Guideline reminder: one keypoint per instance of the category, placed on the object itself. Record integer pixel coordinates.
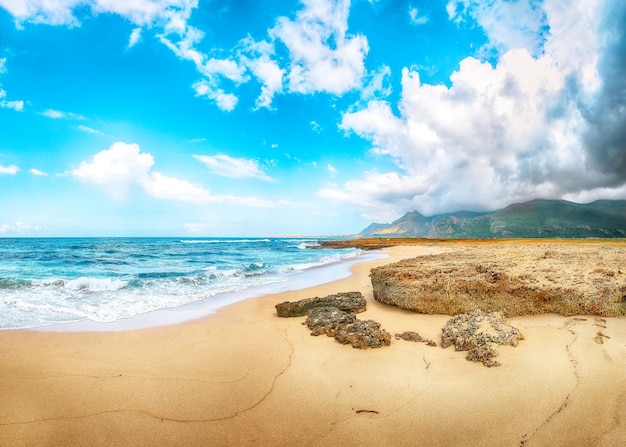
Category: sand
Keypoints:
(244, 377)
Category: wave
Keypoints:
(308, 244)
(95, 284)
(222, 241)
(14, 283)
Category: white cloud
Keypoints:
(332, 170)
(507, 24)
(58, 114)
(20, 228)
(37, 172)
(18, 106)
(89, 130)
(324, 58)
(415, 18)
(378, 194)
(123, 166)
(256, 56)
(226, 166)
(377, 84)
(514, 131)
(225, 101)
(169, 13)
(161, 186)
(135, 37)
(9, 170)
(316, 127)
(117, 168)
(58, 12)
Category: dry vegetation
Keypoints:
(516, 277)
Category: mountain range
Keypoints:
(537, 218)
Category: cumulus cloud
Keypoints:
(123, 166)
(323, 57)
(9, 170)
(530, 125)
(226, 166)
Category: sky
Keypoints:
(317, 117)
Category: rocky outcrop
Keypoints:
(522, 278)
(334, 316)
(479, 333)
(346, 301)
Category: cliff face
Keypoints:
(536, 219)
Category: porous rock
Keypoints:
(363, 334)
(326, 320)
(478, 333)
(346, 301)
(414, 337)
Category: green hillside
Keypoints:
(537, 218)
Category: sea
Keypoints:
(128, 283)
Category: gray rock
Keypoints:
(363, 334)
(326, 320)
(346, 301)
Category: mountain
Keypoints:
(537, 218)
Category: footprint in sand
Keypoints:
(600, 336)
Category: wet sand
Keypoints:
(244, 377)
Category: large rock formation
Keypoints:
(345, 301)
(479, 333)
(521, 278)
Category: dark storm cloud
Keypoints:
(606, 139)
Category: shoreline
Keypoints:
(305, 279)
(243, 376)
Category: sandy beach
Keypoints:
(244, 377)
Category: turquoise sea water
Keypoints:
(52, 281)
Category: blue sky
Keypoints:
(247, 118)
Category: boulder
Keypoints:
(346, 301)
(363, 334)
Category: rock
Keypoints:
(478, 333)
(326, 320)
(415, 337)
(363, 334)
(347, 301)
(526, 278)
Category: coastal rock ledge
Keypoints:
(524, 278)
